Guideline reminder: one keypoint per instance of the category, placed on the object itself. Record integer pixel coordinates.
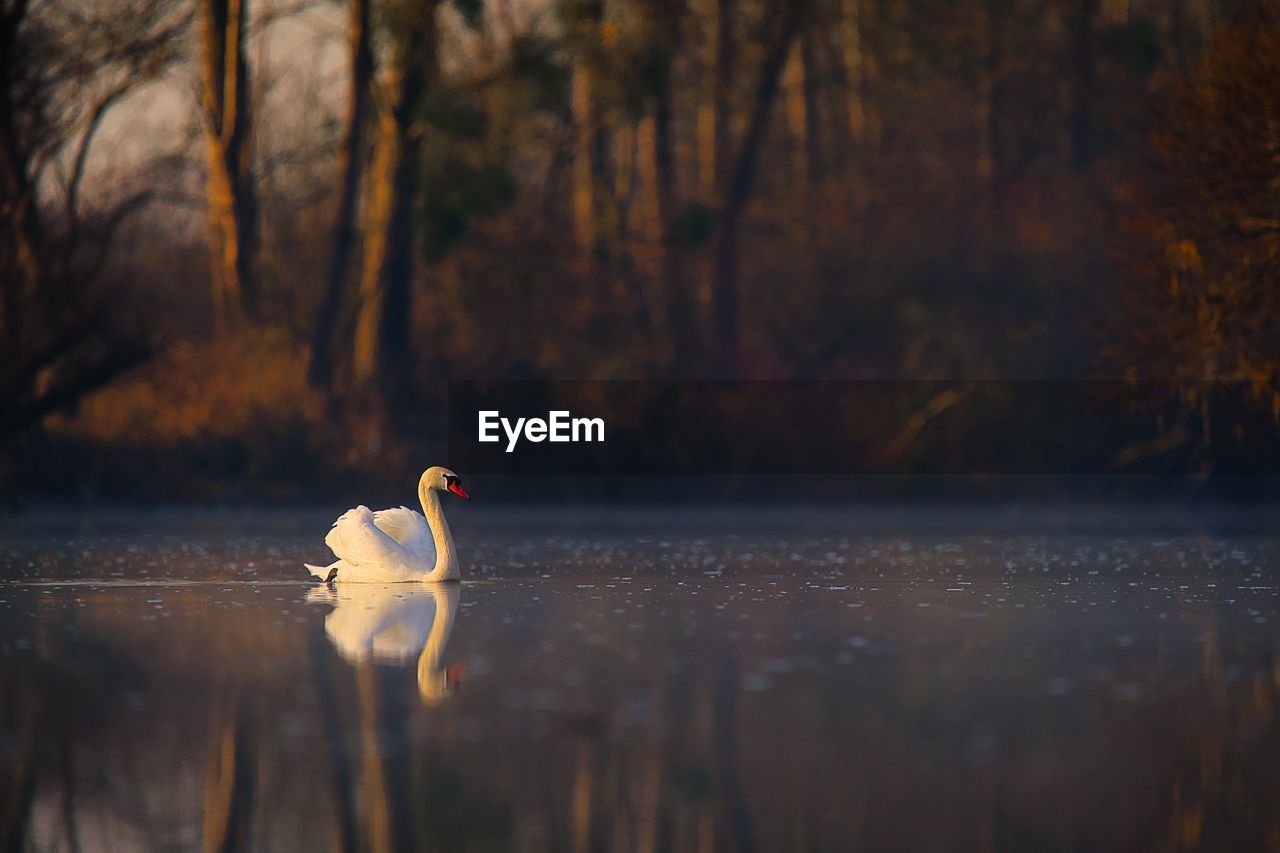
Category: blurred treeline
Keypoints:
(608, 189)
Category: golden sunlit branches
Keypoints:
(1203, 247)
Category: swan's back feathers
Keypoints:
(358, 541)
(390, 546)
(410, 529)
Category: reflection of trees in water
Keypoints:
(949, 739)
(229, 780)
(1217, 787)
(946, 738)
(400, 796)
(408, 798)
(654, 769)
(44, 693)
(229, 680)
(1145, 750)
(342, 805)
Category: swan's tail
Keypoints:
(322, 572)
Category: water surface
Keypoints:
(719, 680)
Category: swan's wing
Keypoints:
(410, 529)
(357, 540)
(383, 622)
(358, 617)
(401, 524)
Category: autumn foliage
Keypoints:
(1202, 230)
(672, 189)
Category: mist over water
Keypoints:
(702, 680)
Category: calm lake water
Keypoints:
(679, 681)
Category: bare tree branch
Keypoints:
(274, 15)
(106, 238)
(94, 121)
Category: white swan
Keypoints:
(391, 624)
(396, 545)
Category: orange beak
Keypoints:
(458, 490)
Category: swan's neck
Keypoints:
(446, 604)
(446, 567)
(431, 680)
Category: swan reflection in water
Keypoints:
(392, 624)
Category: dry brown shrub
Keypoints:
(237, 388)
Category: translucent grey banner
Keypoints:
(970, 428)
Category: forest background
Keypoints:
(247, 243)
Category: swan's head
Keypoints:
(442, 480)
(436, 684)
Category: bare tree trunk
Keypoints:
(651, 233)
(678, 300)
(814, 159)
(991, 163)
(802, 115)
(323, 349)
(382, 327)
(232, 205)
(628, 223)
(722, 96)
(855, 78)
(704, 127)
(725, 296)
(714, 116)
(870, 23)
(22, 230)
(584, 189)
(715, 131)
(1084, 91)
(626, 169)
(590, 140)
(597, 224)
(853, 69)
(797, 121)
(381, 189)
